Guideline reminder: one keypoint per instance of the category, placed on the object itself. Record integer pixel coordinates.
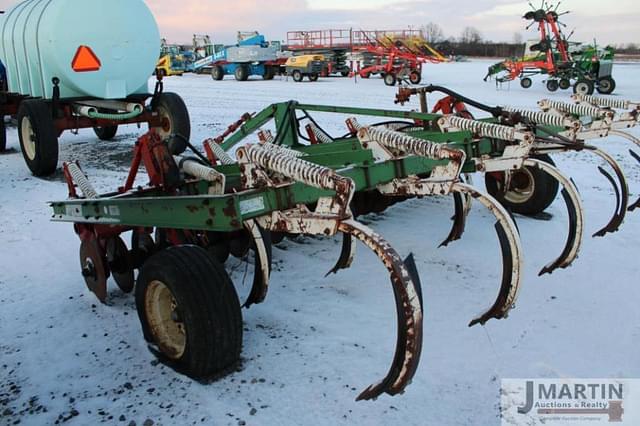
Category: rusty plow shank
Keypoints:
(407, 293)
(262, 272)
(511, 250)
(575, 212)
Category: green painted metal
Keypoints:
(226, 213)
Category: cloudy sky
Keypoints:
(613, 21)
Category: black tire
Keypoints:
(606, 85)
(564, 83)
(297, 76)
(415, 77)
(175, 115)
(106, 133)
(217, 73)
(526, 83)
(269, 73)
(207, 310)
(38, 137)
(543, 191)
(313, 77)
(583, 87)
(390, 79)
(552, 85)
(241, 73)
(3, 135)
(344, 73)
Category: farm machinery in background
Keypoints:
(94, 76)
(172, 60)
(566, 64)
(200, 208)
(394, 55)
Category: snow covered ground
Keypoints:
(317, 341)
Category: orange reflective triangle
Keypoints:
(85, 60)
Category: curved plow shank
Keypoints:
(459, 220)
(409, 311)
(262, 246)
(347, 254)
(511, 249)
(576, 217)
(622, 194)
(636, 141)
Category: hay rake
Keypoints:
(197, 210)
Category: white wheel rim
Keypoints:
(520, 195)
(28, 138)
(165, 324)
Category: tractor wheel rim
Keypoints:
(522, 187)
(28, 138)
(604, 85)
(164, 318)
(582, 89)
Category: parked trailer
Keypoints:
(95, 76)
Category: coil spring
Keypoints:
(539, 117)
(265, 136)
(81, 180)
(604, 102)
(486, 130)
(197, 170)
(293, 168)
(409, 144)
(576, 109)
(220, 153)
(282, 150)
(322, 136)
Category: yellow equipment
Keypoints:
(302, 66)
(171, 60)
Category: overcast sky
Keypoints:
(610, 21)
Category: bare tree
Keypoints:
(471, 35)
(517, 38)
(432, 32)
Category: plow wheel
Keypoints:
(553, 85)
(415, 77)
(531, 190)
(564, 84)
(94, 269)
(189, 312)
(120, 264)
(606, 85)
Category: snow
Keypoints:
(317, 342)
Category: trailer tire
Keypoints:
(241, 73)
(174, 113)
(313, 77)
(297, 76)
(217, 73)
(105, 133)
(415, 77)
(583, 87)
(526, 83)
(38, 139)
(269, 73)
(390, 79)
(536, 190)
(189, 309)
(606, 85)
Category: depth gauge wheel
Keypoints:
(38, 138)
(531, 190)
(415, 77)
(189, 310)
(174, 115)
